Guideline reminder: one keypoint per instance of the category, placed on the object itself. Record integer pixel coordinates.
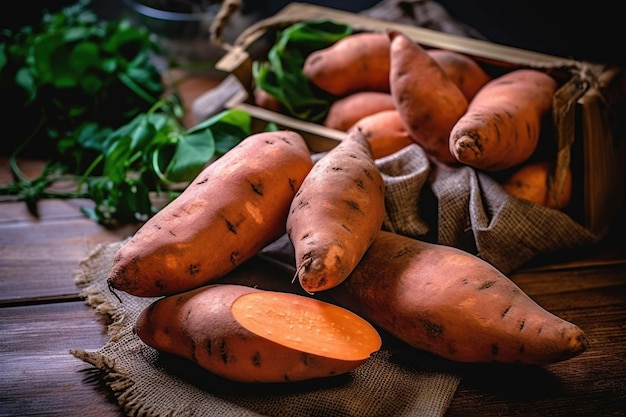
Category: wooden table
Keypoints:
(42, 317)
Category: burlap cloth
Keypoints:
(459, 207)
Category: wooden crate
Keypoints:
(589, 108)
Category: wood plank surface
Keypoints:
(39, 256)
(42, 317)
(38, 375)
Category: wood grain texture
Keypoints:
(38, 375)
(41, 318)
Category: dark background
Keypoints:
(588, 31)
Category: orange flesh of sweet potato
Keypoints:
(233, 208)
(348, 110)
(426, 98)
(385, 132)
(250, 335)
(450, 303)
(336, 213)
(307, 325)
(502, 125)
(358, 62)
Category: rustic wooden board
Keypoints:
(38, 375)
(39, 257)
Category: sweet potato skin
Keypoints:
(450, 303)
(502, 126)
(348, 110)
(198, 325)
(233, 208)
(385, 132)
(265, 100)
(463, 70)
(533, 182)
(336, 213)
(426, 98)
(340, 68)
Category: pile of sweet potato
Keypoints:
(216, 307)
(400, 93)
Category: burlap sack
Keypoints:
(148, 383)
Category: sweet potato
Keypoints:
(358, 62)
(265, 100)
(336, 213)
(346, 111)
(428, 101)
(535, 182)
(385, 132)
(450, 303)
(463, 70)
(251, 335)
(233, 208)
(502, 125)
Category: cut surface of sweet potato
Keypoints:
(307, 325)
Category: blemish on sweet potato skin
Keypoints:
(486, 285)
(223, 351)
(434, 330)
(257, 188)
(235, 258)
(231, 226)
(256, 359)
(194, 269)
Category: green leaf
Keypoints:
(134, 202)
(91, 89)
(3, 56)
(50, 57)
(126, 39)
(83, 56)
(143, 133)
(192, 153)
(229, 127)
(282, 75)
(76, 34)
(118, 202)
(235, 117)
(227, 136)
(207, 141)
(91, 84)
(108, 65)
(25, 79)
(117, 157)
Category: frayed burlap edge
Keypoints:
(118, 381)
(93, 296)
(143, 386)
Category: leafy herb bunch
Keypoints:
(74, 68)
(90, 101)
